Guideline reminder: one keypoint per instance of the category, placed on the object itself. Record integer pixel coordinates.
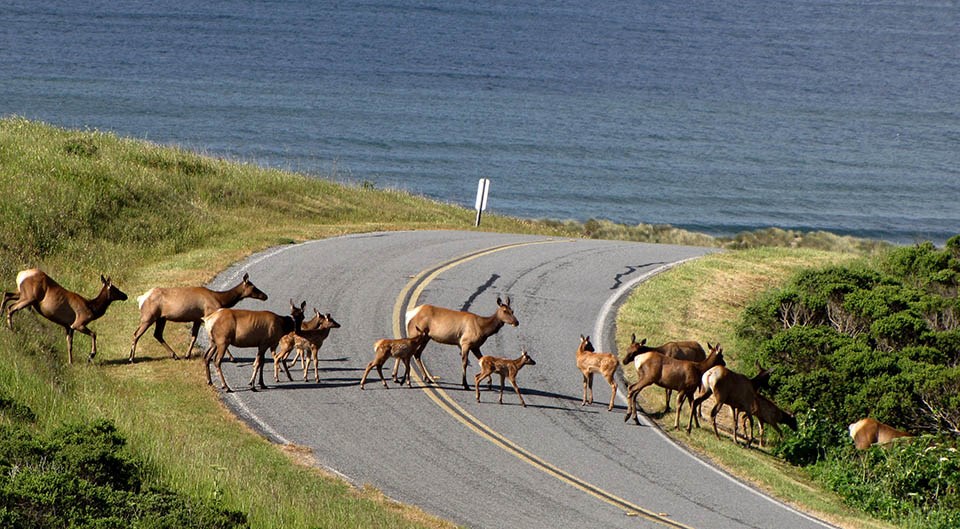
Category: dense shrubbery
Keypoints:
(82, 477)
(879, 340)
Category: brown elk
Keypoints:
(684, 350)
(590, 362)
(733, 389)
(867, 432)
(247, 328)
(680, 375)
(769, 413)
(186, 305)
(67, 309)
(464, 329)
(506, 368)
(307, 342)
(402, 349)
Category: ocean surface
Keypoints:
(713, 116)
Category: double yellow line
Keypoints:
(408, 299)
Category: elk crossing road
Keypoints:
(551, 464)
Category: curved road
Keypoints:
(552, 464)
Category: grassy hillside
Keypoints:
(83, 203)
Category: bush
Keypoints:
(82, 477)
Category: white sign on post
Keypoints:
(483, 190)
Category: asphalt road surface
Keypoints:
(553, 464)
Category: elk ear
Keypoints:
(303, 305)
(633, 338)
(104, 280)
(246, 277)
(643, 342)
(507, 301)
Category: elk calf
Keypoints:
(590, 362)
(684, 350)
(187, 305)
(65, 308)
(307, 342)
(403, 349)
(769, 413)
(504, 367)
(867, 432)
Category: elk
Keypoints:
(590, 362)
(506, 368)
(685, 350)
(402, 349)
(305, 340)
(247, 328)
(733, 389)
(667, 372)
(67, 309)
(867, 432)
(453, 327)
(186, 305)
(769, 413)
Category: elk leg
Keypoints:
(666, 405)
(515, 388)
(216, 363)
(69, 345)
(464, 359)
(158, 334)
(713, 416)
(613, 392)
(8, 296)
(144, 325)
(590, 387)
(584, 402)
(396, 370)
(194, 331)
(502, 377)
(316, 363)
(20, 304)
(477, 379)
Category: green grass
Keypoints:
(83, 203)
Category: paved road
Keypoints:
(553, 464)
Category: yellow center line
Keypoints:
(407, 299)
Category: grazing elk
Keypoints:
(454, 327)
(186, 305)
(247, 328)
(685, 350)
(733, 389)
(867, 432)
(666, 372)
(506, 368)
(67, 309)
(769, 413)
(590, 362)
(307, 342)
(402, 349)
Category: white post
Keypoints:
(483, 190)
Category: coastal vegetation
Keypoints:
(152, 447)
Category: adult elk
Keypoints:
(402, 349)
(590, 362)
(188, 305)
(67, 309)
(683, 350)
(680, 375)
(262, 329)
(867, 432)
(733, 389)
(454, 327)
(504, 367)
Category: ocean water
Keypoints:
(713, 116)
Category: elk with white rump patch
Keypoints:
(666, 372)
(307, 342)
(506, 368)
(867, 432)
(403, 349)
(683, 350)
(461, 328)
(733, 389)
(590, 362)
(247, 328)
(186, 305)
(65, 308)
